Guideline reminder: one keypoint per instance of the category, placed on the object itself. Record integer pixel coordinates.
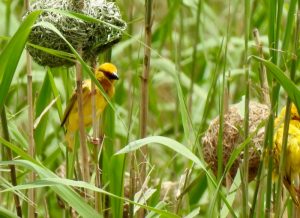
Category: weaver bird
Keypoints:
(106, 74)
(292, 166)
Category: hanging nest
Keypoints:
(92, 38)
(233, 136)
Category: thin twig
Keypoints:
(178, 59)
(176, 112)
(10, 157)
(245, 165)
(132, 155)
(263, 72)
(145, 91)
(180, 195)
(96, 143)
(31, 150)
(83, 144)
(195, 60)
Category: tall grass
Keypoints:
(203, 59)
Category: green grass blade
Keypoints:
(18, 150)
(290, 87)
(11, 54)
(55, 93)
(62, 188)
(116, 184)
(170, 143)
(42, 102)
(57, 53)
(65, 192)
(180, 149)
(289, 25)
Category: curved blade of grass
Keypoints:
(42, 102)
(290, 87)
(58, 184)
(55, 93)
(66, 193)
(71, 196)
(11, 54)
(170, 143)
(180, 149)
(18, 151)
(57, 53)
(17, 136)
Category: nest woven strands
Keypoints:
(233, 136)
(92, 38)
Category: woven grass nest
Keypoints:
(233, 136)
(91, 37)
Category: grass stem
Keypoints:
(145, 91)
(194, 56)
(246, 114)
(82, 135)
(13, 175)
(262, 72)
(31, 150)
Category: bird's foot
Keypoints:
(95, 140)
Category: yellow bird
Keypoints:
(292, 166)
(106, 74)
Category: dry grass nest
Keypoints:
(91, 37)
(233, 136)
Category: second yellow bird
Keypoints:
(106, 74)
(292, 166)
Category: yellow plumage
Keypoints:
(106, 74)
(292, 166)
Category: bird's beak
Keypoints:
(114, 76)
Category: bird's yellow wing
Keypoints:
(71, 104)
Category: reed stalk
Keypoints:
(31, 149)
(96, 144)
(82, 135)
(245, 164)
(194, 55)
(132, 156)
(145, 92)
(13, 175)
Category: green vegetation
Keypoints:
(181, 64)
